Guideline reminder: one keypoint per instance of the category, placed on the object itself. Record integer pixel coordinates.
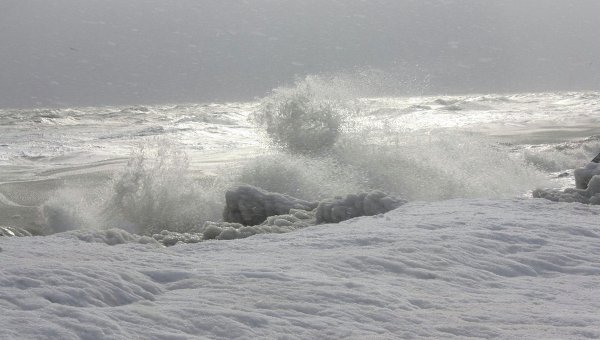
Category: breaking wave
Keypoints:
(437, 164)
(307, 118)
(156, 192)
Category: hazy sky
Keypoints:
(95, 52)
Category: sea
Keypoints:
(168, 166)
(469, 254)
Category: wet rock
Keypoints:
(248, 205)
(363, 204)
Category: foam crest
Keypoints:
(308, 117)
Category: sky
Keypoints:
(57, 53)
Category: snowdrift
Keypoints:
(516, 268)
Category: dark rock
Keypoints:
(363, 204)
(250, 205)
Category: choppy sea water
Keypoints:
(70, 168)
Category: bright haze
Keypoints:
(61, 53)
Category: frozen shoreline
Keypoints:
(510, 268)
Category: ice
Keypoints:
(585, 174)
(482, 268)
(111, 236)
(587, 190)
(363, 204)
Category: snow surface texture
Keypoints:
(587, 187)
(512, 269)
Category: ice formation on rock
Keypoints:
(250, 205)
(587, 187)
(585, 174)
(363, 204)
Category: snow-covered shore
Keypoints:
(512, 268)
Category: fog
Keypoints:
(104, 52)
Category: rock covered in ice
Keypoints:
(363, 204)
(295, 219)
(587, 187)
(589, 195)
(248, 205)
(170, 238)
(585, 174)
(13, 231)
(111, 237)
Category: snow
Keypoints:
(587, 187)
(506, 268)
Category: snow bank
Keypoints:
(511, 269)
(587, 190)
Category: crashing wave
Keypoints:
(307, 118)
(156, 192)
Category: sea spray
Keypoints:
(374, 155)
(307, 118)
(155, 192)
(72, 208)
(563, 156)
(436, 165)
(301, 176)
